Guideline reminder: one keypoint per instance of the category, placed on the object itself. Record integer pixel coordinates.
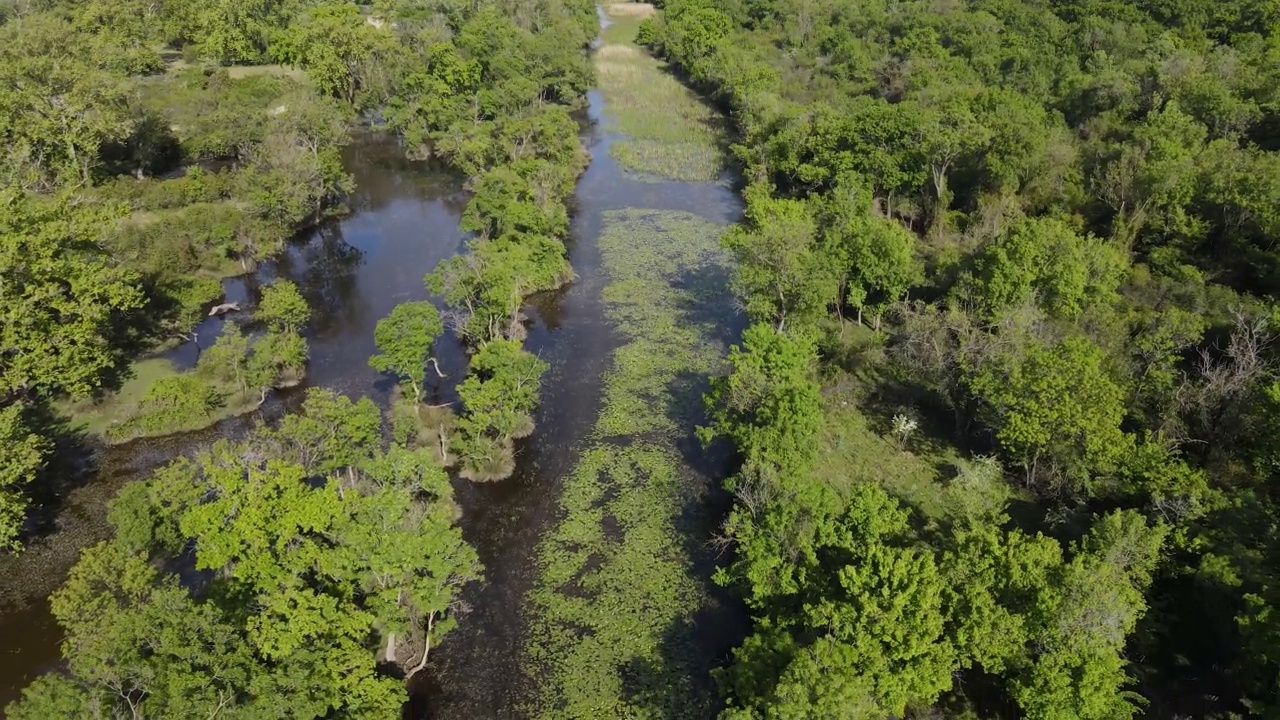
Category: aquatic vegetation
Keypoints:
(619, 581)
(671, 133)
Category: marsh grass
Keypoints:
(922, 475)
(611, 635)
(120, 416)
(95, 416)
(497, 463)
(670, 132)
(423, 426)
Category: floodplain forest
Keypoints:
(997, 372)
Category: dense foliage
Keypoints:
(492, 100)
(149, 151)
(1065, 212)
(308, 554)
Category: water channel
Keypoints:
(353, 271)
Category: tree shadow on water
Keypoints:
(70, 463)
(678, 685)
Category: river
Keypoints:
(353, 271)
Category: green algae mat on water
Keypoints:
(670, 133)
(611, 634)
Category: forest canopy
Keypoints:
(1057, 220)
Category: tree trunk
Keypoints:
(390, 654)
(426, 647)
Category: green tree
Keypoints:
(1150, 180)
(498, 398)
(950, 132)
(485, 288)
(878, 252)
(782, 277)
(22, 455)
(1056, 410)
(57, 111)
(172, 404)
(1083, 623)
(61, 300)
(279, 359)
(234, 31)
(329, 433)
(405, 339)
(335, 46)
(769, 405)
(138, 644)
(283, 308)
(875, 607)
(1044, 257)
(227, 360)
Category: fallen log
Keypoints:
(224, 308)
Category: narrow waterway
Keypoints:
(477, 672)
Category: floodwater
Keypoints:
(353, 271)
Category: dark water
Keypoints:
(476, 673)
(353, 271)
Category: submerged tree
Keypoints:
(498, 398)
(405, 339)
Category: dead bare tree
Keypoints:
(1214, 400)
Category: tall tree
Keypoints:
(22, 454)
(1056, 411)
(781, 276)
(283, 308)
(62, 301)
(405, 339)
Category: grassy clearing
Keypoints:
(174, 64)
(857, 444)
(852, 452)
(110, 417)
(611, 635)
(670, 132)
(95, 417)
